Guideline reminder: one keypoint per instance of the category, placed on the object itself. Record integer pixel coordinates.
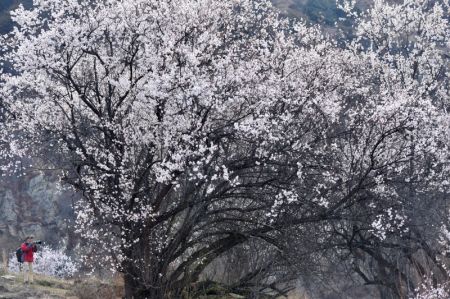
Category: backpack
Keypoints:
(19, 255)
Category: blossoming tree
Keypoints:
(192, 127)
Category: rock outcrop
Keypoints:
(36, 205)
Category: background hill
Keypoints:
(5, 7)
(316, 11)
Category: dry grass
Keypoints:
(43, 286)
(86, 288)
(92, 288)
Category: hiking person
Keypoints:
(28, 249)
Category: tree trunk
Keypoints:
(138, 287)
(131, 286)
(142, 272)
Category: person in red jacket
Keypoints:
(28, 249)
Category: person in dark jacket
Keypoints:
(28, 249)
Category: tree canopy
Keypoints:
(197, 128)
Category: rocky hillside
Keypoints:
(33, 204)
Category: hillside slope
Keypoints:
(317, 11)
(5, 7)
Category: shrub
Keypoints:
(48, 261)
(91, 288)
